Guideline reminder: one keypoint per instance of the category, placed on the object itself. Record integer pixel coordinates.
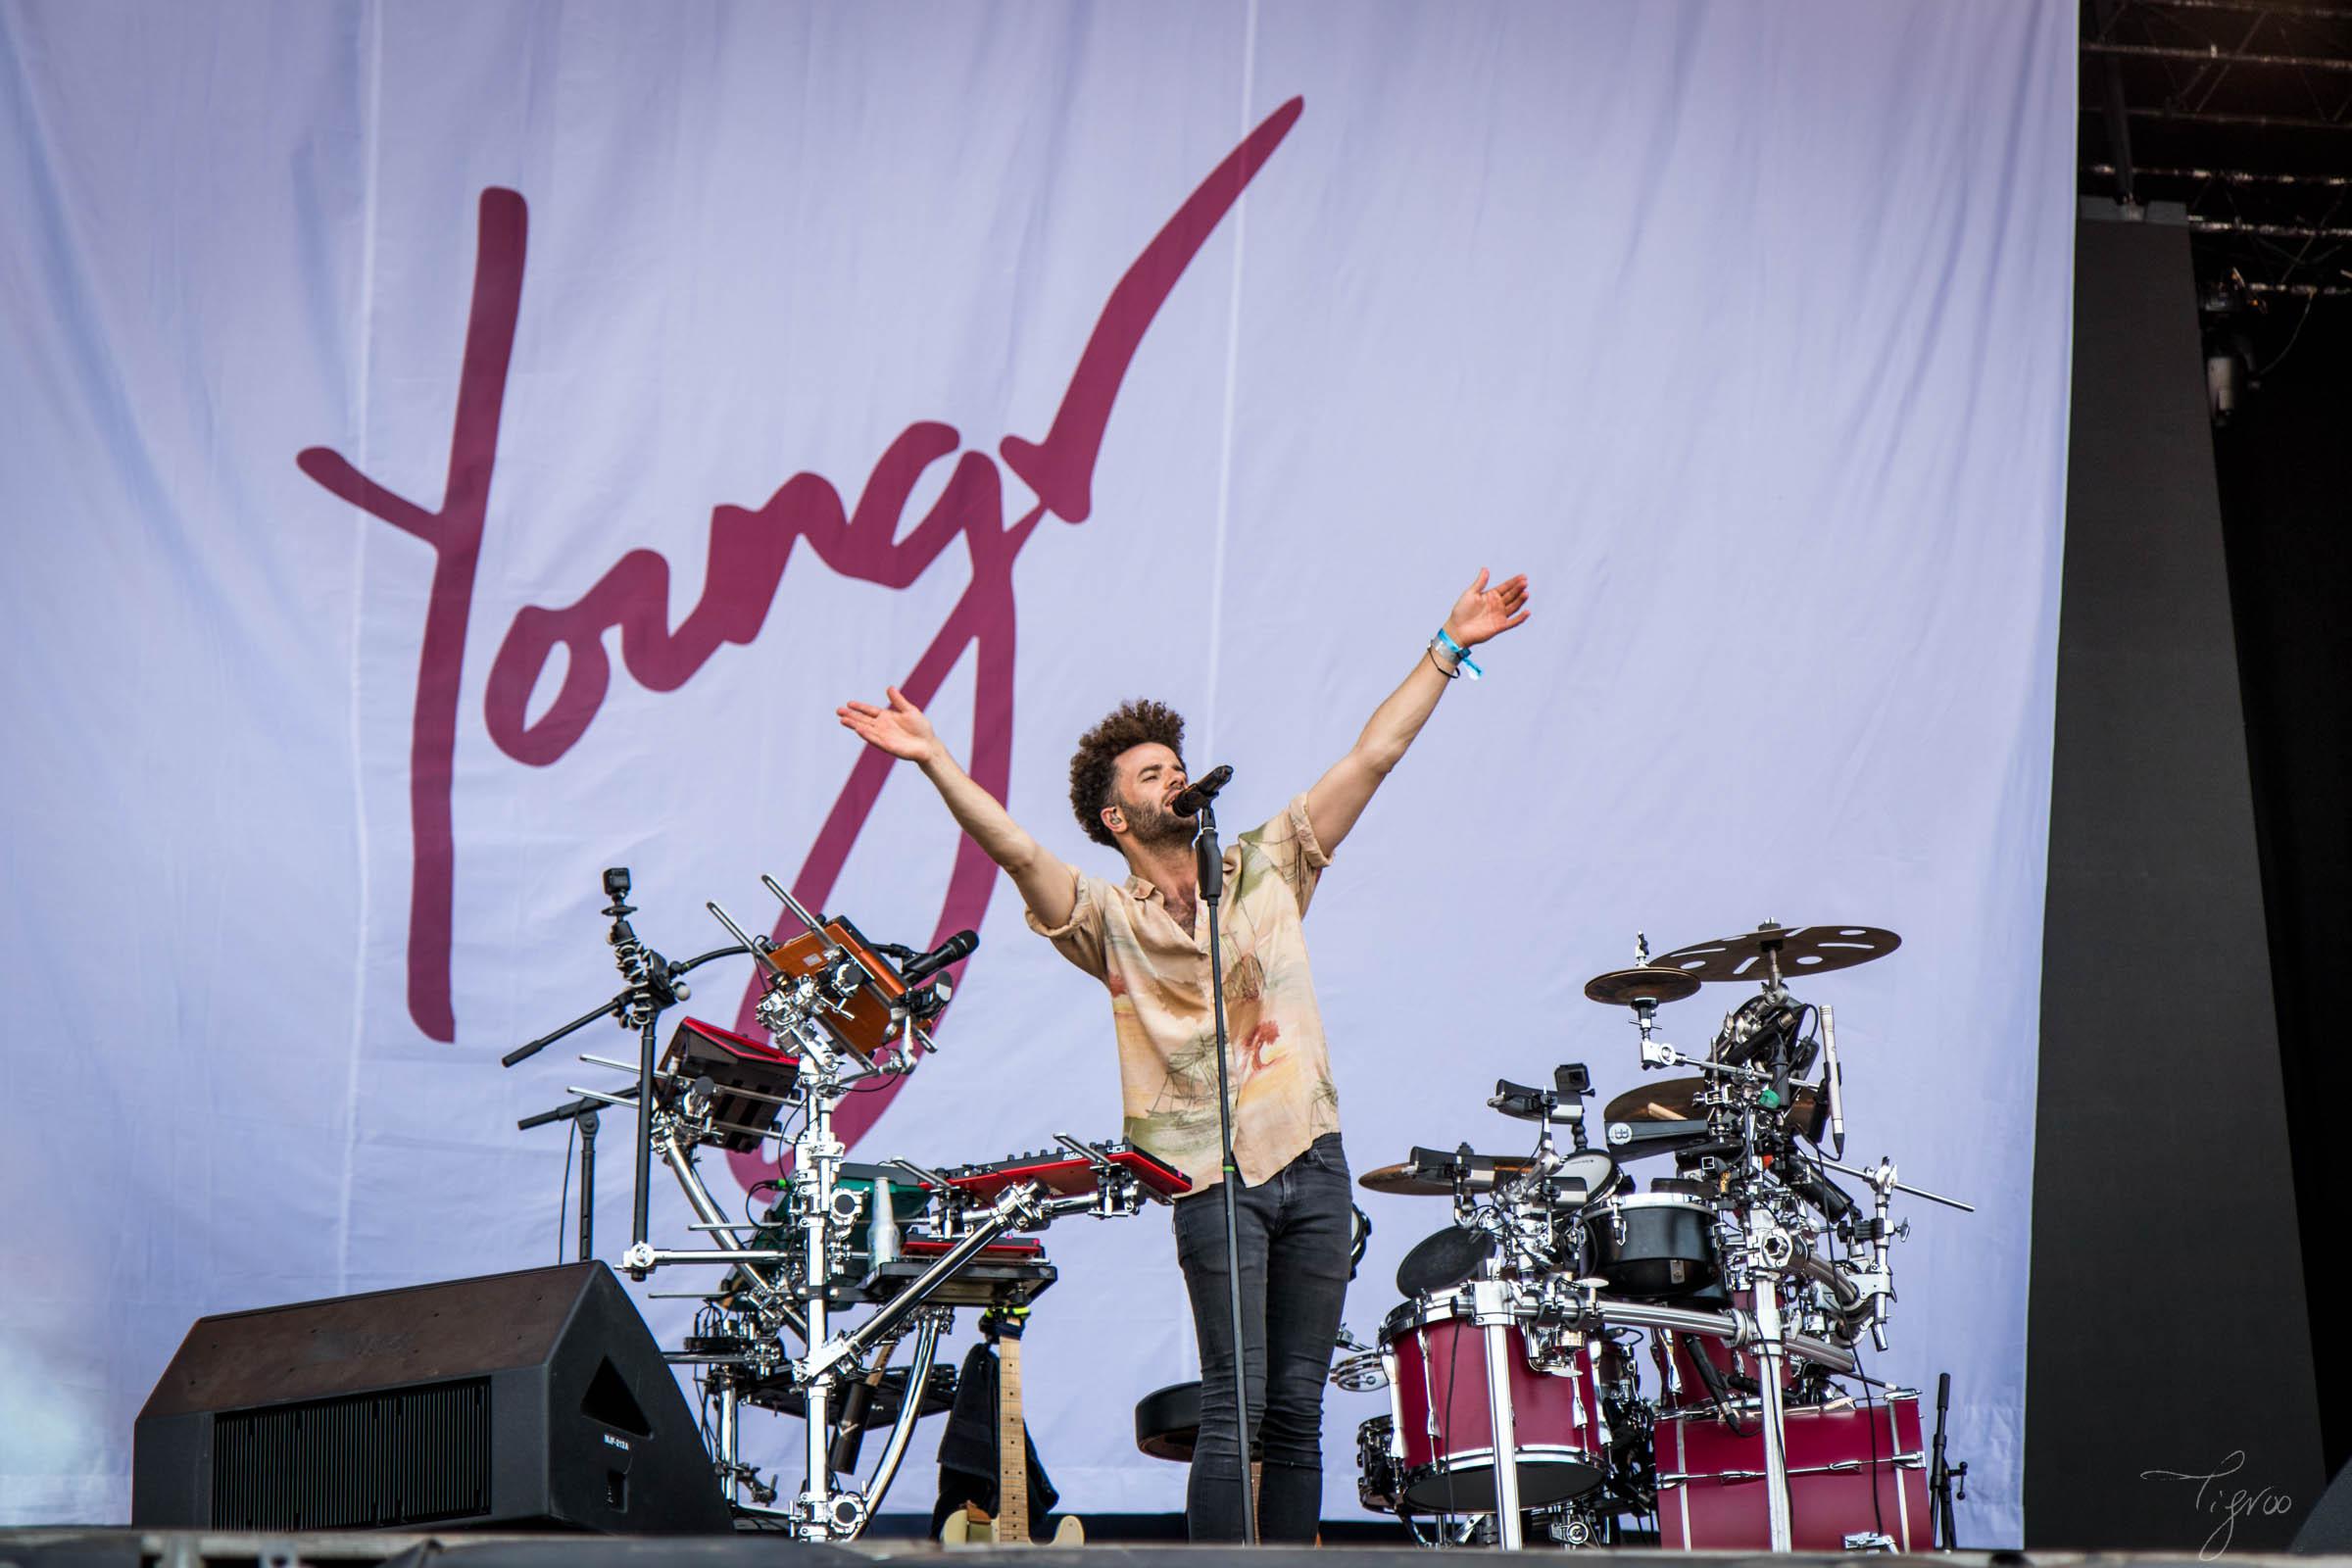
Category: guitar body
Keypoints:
(970, 1526)
(964, 1529)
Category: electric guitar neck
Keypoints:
(1010, 1527)
(1012, 1446)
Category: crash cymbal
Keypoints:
(1677, 1100)
(1435, 1178)
(1404, 1179)
(1648, 982)
(1803, 949)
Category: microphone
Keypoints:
(1201, 792)
(1832, 1081)
(958, 946)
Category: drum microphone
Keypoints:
(1806, 1182)
(956, 947)
(1200, 791)
(1832, 1082)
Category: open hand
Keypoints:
(1482, 612)
(901, 729)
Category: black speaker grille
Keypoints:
(356, 1461)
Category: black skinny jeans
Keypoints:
(1293, 1230)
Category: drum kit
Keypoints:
(841, 1014)
(1516, 1395)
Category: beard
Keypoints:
(1149, 822)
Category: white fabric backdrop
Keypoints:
(1741, 329)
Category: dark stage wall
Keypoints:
(2167, 1326)
(2285, 465)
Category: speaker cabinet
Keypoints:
(534, 1400)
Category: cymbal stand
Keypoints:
(1654, 1052)
(1760, 1253)
(1769, 1353)
(1763, 1250)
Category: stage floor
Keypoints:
(65, 1548)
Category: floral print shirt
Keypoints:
(1157, 972)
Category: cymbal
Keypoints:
(1648, 982)
(1411, 1180)
(1677, 1100)
(1402, 1178)
(1803, 949)
(1439, 1262)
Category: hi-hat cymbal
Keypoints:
(1677, 1100)
(1648, 982)
(1413, 1180)
(1802, 949)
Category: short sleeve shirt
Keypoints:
(1157, 972)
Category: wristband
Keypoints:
(1457, 653)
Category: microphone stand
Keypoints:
(583, 1112)
(1209, 861)
(652, 984)
(1942, 1474)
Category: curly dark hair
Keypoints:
(1093, 770)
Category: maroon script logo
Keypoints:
(749, 551)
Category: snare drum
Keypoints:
(1653, 1246)
(1440, 1428)
(1852, 1471)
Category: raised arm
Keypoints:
(1046, 880)
(1339, 795)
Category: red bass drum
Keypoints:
(1853, 1470)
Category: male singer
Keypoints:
(1143, 939)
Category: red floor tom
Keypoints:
(1442, 1428)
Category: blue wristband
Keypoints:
(1460, 654)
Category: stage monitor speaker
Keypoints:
(535, 1399)
(2328, 1528)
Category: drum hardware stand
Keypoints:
(793, 1010)
(788, 1010)
(1209, 873)
(1769, 1349)
(1490, 1309)
(791, 1287)
(1877, 1283)
(653, 985)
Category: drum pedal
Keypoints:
(1869, 1541)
